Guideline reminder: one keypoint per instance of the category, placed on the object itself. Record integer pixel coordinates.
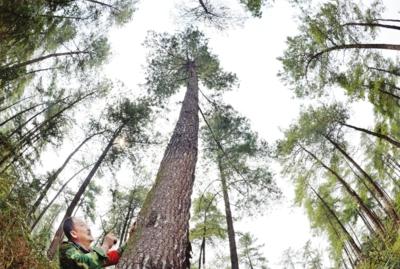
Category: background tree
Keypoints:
(240, 157)
(129, 119)
(207, 220)
(249, 253)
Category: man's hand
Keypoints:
(109, 240)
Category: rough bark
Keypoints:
(161, 240)
(59, 234)
(229, 219)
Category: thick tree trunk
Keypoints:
(229, 219)
(161, 239)
(372, 216)
(60, 233)
(389, 207)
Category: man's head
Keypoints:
(78, 231)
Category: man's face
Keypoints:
(81, 234)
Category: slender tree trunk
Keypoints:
(27, 136)
(52, 178)
(41, 58)
(379, 135)
(344, 262)
(384, 70)
(60, 233)
(201, 254)
(372, 216)
(20, 113)
(372, 25)
(124, 226)
(350, 239)
(365, 184)
(391, 20)
(350, 258)
(58, 113)
(161, 239)
(103, 4)
(390, 93)
(19, 128)
(365, 221)
(389, 207)
(17, 154)
(44, 210)
(229, 219)
(249, 259)
(15, 103)
(339, 237)
(127, 220)
(351, 46)
(131, 216)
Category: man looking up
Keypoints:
(77, 253)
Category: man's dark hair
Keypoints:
(67, 227)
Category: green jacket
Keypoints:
(73, 256)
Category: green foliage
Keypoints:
(310, 64)
(171, 56)
(36, 38)
(124, 207)
(207, 219)
(19, 249)
(242, 157)
(311, 160)
(250, 255)
(134, 117)
(254, 6)
(307, 257)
